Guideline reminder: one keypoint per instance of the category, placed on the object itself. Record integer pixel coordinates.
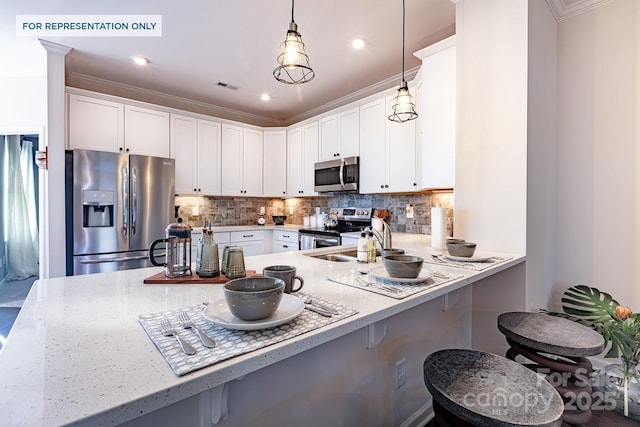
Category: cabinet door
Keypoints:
(252, 148)
(274, 167)
(401, 152)
(372, 147)
(294, 162)
(309, 158)
(184, 139)
(349, 133)
(251, 248)
(437, 121)
(146, 132)
(329, 143)
(209, 158)
(231, 160)
(95, 124)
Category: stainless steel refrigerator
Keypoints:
(117, 204)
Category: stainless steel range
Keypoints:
(346, 220)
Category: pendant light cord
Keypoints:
(403, 18)
(292, 2)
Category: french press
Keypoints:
(177, 250)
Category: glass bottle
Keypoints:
(372, 248)
(209, 261)
(363, 248)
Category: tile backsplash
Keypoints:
(245, 210)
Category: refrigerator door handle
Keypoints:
(125, 201)
(119, 259)
(134, 199)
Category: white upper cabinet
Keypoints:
(197, 147)
(94, 124)
(436, 103)
(339, 135)
(103, 125)
(387, 150)
(275, 163)
(242, 160)
(146, 131)
(302, 154)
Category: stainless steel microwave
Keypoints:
(337, 175)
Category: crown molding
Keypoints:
(56, 48)
(565, 9)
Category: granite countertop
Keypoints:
(77, 353)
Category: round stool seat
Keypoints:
(484, 389)
(551, 334)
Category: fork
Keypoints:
(167, 330)
(187, 323)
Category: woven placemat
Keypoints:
(229, 342)
(393, 288)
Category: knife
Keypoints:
(324, 307)
(318, 310)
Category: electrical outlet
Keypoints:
(409, 211)
(401, 373)
(195, 211)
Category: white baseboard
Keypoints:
(421, 417)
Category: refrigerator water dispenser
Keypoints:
(97, 208)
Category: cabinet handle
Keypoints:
(195, 190)
(120, 148)
(414, 184)
(247, 235)
(381, 185)
(284, 235)
(386, 186)
(127, 150)
(284, 192)
(285, 246)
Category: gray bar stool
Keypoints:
(474, 388)
(558, 348)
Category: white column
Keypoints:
(52, 207)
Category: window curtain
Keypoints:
(21, 229)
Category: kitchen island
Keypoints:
(78, 354)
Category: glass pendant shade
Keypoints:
(293, 62)
(404, 109)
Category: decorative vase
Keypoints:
(619, 384)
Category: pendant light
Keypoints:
(293, 62)
(404, 108)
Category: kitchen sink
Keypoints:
(340, 255)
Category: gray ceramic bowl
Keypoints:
(253, 298)
(392, 251)
(461, 248)
(279, 219)
(403, 266)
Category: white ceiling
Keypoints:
(237, 42)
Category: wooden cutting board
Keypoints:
(161, 279)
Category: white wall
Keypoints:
(541, 155)
(598, 187)
(491, 145)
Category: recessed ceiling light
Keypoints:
(357, 43)
(140, 60)
(265, 97)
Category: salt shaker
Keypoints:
(235, 263)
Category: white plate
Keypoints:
(381, 273)
(218, 312)
(475, 258)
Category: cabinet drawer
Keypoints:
(248, 235)
(222, 237)
(286, 236)
(252, 248)
(280, 246)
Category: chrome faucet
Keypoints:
(383, 238)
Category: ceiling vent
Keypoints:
(227, 85)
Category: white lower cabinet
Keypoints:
(251, 241)
(284, 241)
